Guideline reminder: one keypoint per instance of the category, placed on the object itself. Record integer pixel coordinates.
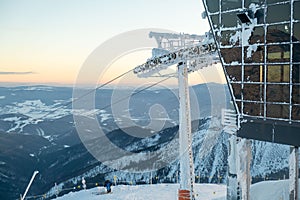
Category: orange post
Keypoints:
(184, 195)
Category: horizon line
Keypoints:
(25, 84)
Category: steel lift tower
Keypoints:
(190, 53)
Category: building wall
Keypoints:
(258, 41)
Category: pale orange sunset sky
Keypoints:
(46, 42)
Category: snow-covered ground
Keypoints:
(143, 192)
(259, 191)
(270, 190)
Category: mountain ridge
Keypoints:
(64, 159)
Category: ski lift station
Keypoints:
(257, 43)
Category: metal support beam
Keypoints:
(294, 173)
(185, 139)
(239, 158)
(244, 156)
(239, 177)
(232, 171)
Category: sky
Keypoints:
(48, 41)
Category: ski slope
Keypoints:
(275, 190)
(143, 192)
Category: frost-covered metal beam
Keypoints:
(199, 56)
(294, 173)
(171, 41)
(232, 183)
(239, 177)
(230, 125)
(185, 133)
(244, 157)
(197, 51)
(239, 159)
